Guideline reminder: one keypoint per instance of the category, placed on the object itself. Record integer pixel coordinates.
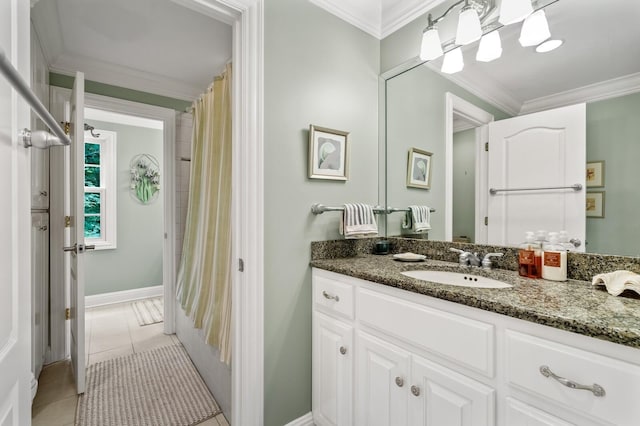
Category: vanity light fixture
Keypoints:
(469, 28)
(549, 45)
(453, 61)
(431, 47)
(512, 11)
(535, 29)
(490, 47)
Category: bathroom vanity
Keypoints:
(393, 350)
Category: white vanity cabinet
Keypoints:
(385, 356)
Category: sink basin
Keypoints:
(457, 279)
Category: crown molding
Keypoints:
(122, 76)
(403, 12)
(363, 14)
(491, 93)
(608, 89)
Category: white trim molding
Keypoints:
(401, 13)
(306, 420)
(365, 15)
(608, 89)
(122, 296)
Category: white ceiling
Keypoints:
(156, 46)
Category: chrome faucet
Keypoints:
(472, 259)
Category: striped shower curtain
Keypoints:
(204, 275)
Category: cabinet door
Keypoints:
(440, 396)
(332, 371)
(521, 414)
(382, 380)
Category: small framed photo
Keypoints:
(595, 204)
(595, 174)
(328, 153)
(419, 169)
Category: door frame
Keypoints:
(456, 105)
(247, 20)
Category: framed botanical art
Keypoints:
(328, 153)
(419, 169)
(595, 174)
(595, 204)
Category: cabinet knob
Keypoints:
(415, 390)
(399, 381)
(330, 297)
(343, 350)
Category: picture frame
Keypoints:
(595, 204)
(419, 169)
(328, 153)
(595, 174)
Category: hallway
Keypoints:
(111, 331)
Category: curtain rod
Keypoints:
(18, 83)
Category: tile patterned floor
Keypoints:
(111, 331)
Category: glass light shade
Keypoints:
(512, 11)
(453, 62)
(431, 47)
(469, 29)
(535, 29)
(490, 47)
(548, 46)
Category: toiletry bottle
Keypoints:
(554, 260)
(541, 239)
(527, 257)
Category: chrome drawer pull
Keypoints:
(330, 297)
(399, 382)
(415, 390)
(596, 389)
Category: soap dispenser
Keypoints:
(529, 257)
(554, 259)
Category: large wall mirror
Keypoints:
(582, 101)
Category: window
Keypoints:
(100, 189)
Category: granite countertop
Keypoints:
(574, 306)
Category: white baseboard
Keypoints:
(122, 296)
(306, 420)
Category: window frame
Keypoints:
(107, 189)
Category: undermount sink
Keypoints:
(457, 279)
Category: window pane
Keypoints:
(91, 176)
(91, 153)
(92, 227)
(91, 203)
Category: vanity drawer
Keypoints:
(526, 355)
(459, 339)
(333, 297)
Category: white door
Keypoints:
(542, 150)
(332, 372)
(382, 380)
(15, 224)
(76, 195)
(440, 396)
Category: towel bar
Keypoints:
(318, 208)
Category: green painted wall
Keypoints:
(416, 118)
(66, 81)
(613, 135)
(318, 70)
(464, 184)
(137, 260)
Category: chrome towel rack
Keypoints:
(318, 208)
(575, 187)
(37, 139)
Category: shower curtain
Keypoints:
(204, 275)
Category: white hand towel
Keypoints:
(358, 221)
(420, 217)
(618, 281)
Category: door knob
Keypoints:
(79, 248)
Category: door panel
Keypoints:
(77, 232)
(521, 414)
(545, 149)
(381, 382)
(440, 396)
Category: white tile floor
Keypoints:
(111, 331)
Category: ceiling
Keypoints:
(600, 57)
(156, 46)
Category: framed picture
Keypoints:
(595, 174)
(328, 153)
(595, 204)
(419, 169)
